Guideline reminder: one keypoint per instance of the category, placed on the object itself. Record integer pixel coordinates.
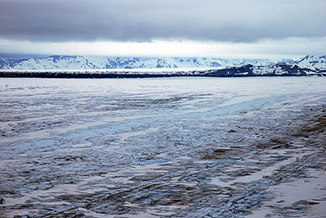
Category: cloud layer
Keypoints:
(147, 20)
(270, 49)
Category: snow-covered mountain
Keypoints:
(316, 63)
(95, 62)
(93, 66)
(234, 71)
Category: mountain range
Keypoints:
(113, 67)
(57, 62)
(98, 62)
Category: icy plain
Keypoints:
(167, 147)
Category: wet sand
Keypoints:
(181, 156)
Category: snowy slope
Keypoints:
(2, 62)
(56, 62)
(234, 71)
(266, 70)
(313, 62)
(95, 62)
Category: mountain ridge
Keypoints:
(129, 67)
(98, 62)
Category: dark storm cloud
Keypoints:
(144, 20)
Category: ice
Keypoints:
(188, 147)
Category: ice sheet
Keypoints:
(171, 146)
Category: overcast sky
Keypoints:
(221, 28)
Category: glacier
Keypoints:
(168, 147)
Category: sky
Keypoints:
(274, 29)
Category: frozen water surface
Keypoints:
(167, 147)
